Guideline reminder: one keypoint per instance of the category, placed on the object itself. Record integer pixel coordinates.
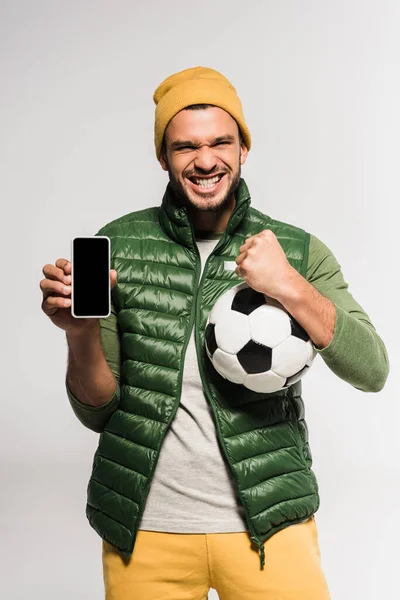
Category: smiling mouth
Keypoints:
(206, 184)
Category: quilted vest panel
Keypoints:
(159, 298)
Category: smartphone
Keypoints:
(90, 281)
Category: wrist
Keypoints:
(290, 290)
(83, 330)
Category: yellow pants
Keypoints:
(184, 566)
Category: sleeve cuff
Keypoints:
(330, 350)
(81, 406)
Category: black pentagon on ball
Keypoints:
(298, 331)
(209, 335)
(255, 358)
(247, 300)
(292, 379)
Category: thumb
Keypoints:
(113, 277)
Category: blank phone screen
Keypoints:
(91, 276)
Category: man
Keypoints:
(194, 474)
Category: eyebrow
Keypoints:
(222, 138)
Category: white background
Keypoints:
(319, 83)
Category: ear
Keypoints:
(243, 153)
(163, 156)
(163, 161)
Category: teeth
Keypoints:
(207, 183)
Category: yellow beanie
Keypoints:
(198, 85)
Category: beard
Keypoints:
(185, 200)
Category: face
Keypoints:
(203, 157)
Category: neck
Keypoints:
(212, 221)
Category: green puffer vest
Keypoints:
(159, 298)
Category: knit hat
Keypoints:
(198, 85)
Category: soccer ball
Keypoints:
(252, 340)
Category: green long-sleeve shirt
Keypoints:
(356, 353)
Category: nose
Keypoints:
(205, 160)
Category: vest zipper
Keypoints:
(222, 242)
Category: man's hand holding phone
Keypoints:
(56, 304)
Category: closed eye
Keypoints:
(194, 147)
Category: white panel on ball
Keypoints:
(228, 366)
(224, 303)
(266, 382)
(232, 331)
(269, 325)
(300, 375)
(290, 356)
